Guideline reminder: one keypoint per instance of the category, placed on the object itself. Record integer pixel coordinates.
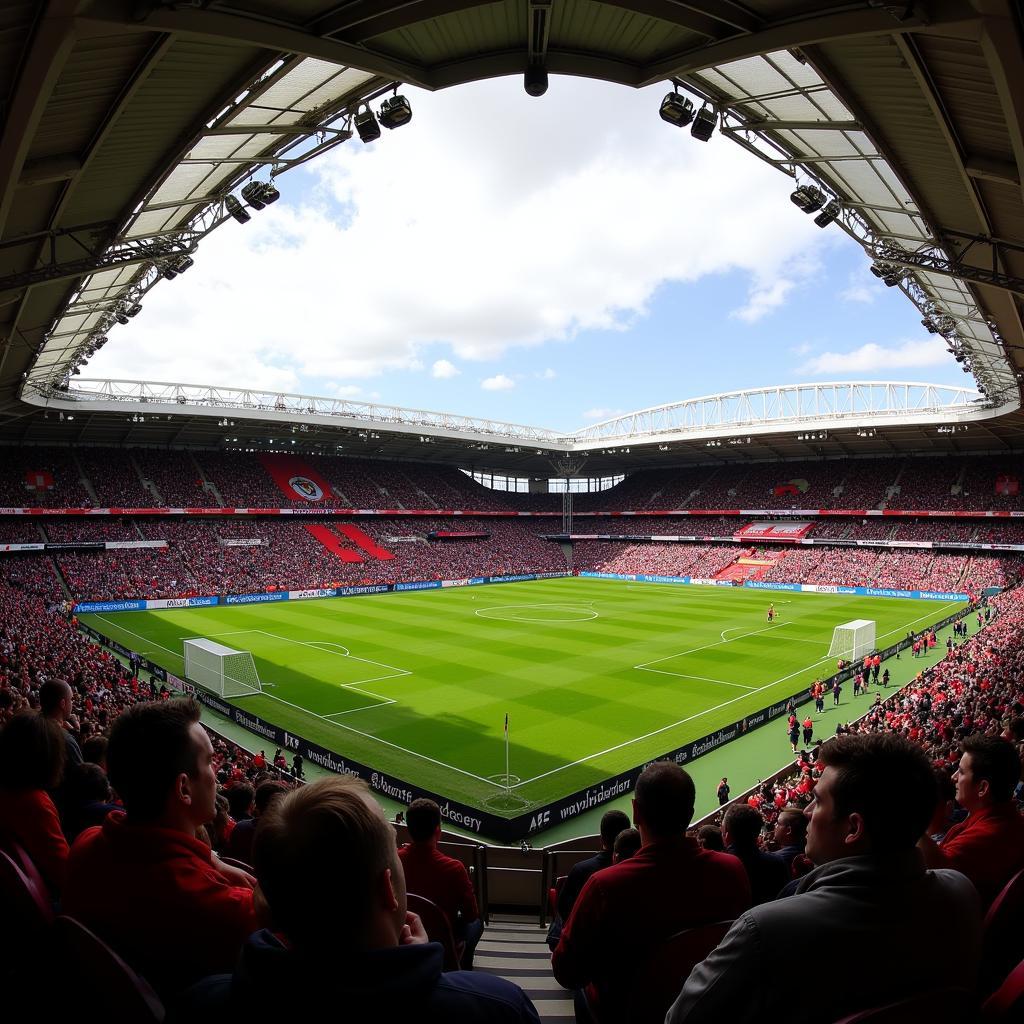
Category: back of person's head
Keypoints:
(423, 819)
(627, 842)
(88, 783)
(32, 752)
(664, 799)
(997, 762)
(51, 694)
(792, 818)
(150, 746)
(94, 750)
(885, 779)
(612, 823)
(710, 838)
(319, 855)
(742, 824)
(240, 799)
(266, 793)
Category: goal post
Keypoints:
(220, 669)
(853, 640)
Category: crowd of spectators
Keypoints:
(180, 479)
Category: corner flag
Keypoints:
(506, 723)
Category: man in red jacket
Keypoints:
(442, 880)
(142, 880)
(988, 846)
(627, 910)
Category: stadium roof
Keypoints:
(130, 126)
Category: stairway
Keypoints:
(208, 485)
(513, 947)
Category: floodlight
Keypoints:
(808, 198)
(185, 263)
(535, 80)
(704, 122)
(236, 210)
(270, 193)
(253, 194)
(169, 271)
(828, 215)
(121, 317)
(676, 109)
(395, 112)
(366, 125)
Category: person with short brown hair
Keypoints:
(143, 880)
(869, 890)
(625, 911)
(341, 934)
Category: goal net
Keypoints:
(223, 670)
(853, 640)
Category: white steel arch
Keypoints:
(750, 411)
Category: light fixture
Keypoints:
(236, 210)
(829, 214)
(366, 124)
(535, 80)
(259, 194)
(808, 198)
(120, 316)
(676, 109)
(395, 112)
(704, 122)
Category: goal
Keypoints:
(223, 670)
(853, 640)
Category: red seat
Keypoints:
(1002, 935)
(662, 976)
(103, 981)
(553, 894)
(1007, 1002)
(437, 927)
(28, 911)
(939, 1006)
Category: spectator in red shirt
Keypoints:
(441, 879)
(627, 910)
(988, 846)
(142, 880)
(32, 754)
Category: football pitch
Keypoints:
(596, 676)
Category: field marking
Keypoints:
(589, 613)
(718, 707)
(706, 679)
(704, 647)
(337, 725)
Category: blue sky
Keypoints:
(550, 262)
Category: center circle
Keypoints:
(548, 613)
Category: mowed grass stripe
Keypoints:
(571, 688)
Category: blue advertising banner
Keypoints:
(277, 595)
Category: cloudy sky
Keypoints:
(547, 261)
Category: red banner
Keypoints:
(1007, 484)
(295, 479)
(39, 480)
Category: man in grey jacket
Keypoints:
(869, 892)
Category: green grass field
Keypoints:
(596, 676)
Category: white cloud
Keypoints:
(802, 349)
(444, 370)
(861, 288)
(872, 357)
(596, 415)
(499, 382)
(546, 374)
(479, 227)
(347, 390)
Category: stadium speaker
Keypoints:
(676, 109)
(808, 198)
(366, 125)
(704, 122)
(395, 112)
(535, 80)
(236, 210)
(828, 215)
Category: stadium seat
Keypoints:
(662, 977)
(1003, 937)
(943, 1006)
(437, 927)
(103, 982)
(553, 894)
(1007, 1002)
(28, 912)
